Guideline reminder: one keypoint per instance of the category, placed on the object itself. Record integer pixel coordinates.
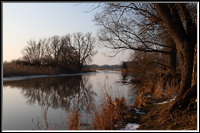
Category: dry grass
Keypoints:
(163, 88)
(159, 118)
(73, 122)
(108, 113)
(166, 88)
(18, 70)
(104, 117)
(11, 69)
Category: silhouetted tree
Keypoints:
(82, 46)
(70, 50)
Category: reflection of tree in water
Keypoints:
(124, 76)
(72, 92)
(132, 91)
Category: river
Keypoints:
(25, 99)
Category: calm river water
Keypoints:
(25, 100)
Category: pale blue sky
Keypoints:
(25, 21)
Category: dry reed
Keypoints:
(74, 121)
(18, 70)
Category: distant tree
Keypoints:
(34, 52)
(68, 54)
(124, 65)
(82, 47)
(69, 50)
(55, 49)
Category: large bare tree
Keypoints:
(180, 23)
(134, 27)
(148, 27)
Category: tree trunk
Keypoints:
(187, 68)
(185, 48)
(80, 66)
(194, 74)
(183, 101)
(172, 59)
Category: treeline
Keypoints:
(68, 51)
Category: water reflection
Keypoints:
(72, 92)
(124, 76)
(132, 91)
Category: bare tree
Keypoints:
(129, 26)
(69, 50)
(68, 55)
(83, 48)
(140, 26)
(34, 52)
(55, 49)
(180, 24)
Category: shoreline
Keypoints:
(156, 116)
(14, 78)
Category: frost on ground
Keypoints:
(131, 126)
(137, 111)
(166, 101)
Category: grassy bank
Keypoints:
(10, 69)
(156, 98)
(158, 117)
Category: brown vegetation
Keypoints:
(18, 70)
(108, 113)
(104, 117)
(74, 121)
(13, 69)
(159, 118)
(163, 34)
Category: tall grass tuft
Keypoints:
(104, 115)
(108, 113)
(74, 121)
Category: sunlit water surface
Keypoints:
(25, 100)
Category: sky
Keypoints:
(25, 21)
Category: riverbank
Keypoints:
(158, 117)
(155, 100)
(10, 70)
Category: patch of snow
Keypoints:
(166, 101)
(129, 108)
(148, 95)
(131, 126)
(137, 111)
